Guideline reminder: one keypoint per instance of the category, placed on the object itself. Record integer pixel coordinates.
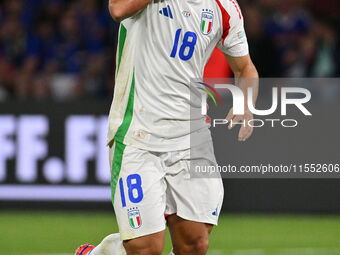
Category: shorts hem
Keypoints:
(195, 218)
(131, 235)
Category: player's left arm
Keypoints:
(246, 76)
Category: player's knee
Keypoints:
(144, 247)
(201, 245)
(154, 250)
(197, 246)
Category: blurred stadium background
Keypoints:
(56, 84)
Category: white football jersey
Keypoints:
(160, 50)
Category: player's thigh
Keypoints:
(138, 189)
(147, 245)
(194, 199)
(189, 237)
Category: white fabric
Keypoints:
(111, 245)
(166, 116)
(168, 187)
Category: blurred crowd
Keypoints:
(56, 48)
(294, 38)
(65, 49)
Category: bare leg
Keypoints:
(147, 245)
(189, 238)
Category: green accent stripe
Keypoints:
(122, 130)
(119, 138)
(203, 25)
(116, 166)
(133, 225)
(121, 40)
(209, 93)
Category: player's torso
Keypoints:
(173, 40)
(167, 44)
(179, 35)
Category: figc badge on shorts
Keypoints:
(207, 20)
(134, 217)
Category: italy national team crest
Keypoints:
(134, 217)
(207, 21)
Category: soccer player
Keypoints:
(153, 139)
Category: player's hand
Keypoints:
(245, 131)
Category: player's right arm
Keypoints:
(246, 77)
(235, 47)
(122, 9)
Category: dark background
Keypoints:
(66, 49)
(241, 195)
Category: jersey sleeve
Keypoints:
(234, 40)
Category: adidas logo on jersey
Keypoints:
(166, 12)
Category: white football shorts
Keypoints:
(147, 185)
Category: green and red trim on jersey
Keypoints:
(121, 43)
(225, 20)
(119, 140)
(123, 128)
(238, 9)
